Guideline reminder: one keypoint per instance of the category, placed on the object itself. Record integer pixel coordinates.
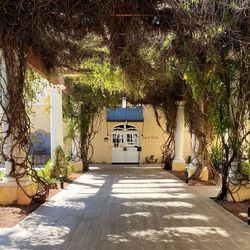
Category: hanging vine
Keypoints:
(15, 121)
(55, 30)
(83, 112)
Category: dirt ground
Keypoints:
(181, 175)
(10, 215)
(239, 209)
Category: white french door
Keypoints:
(118, 144)
(125, 143)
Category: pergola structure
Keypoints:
(36, 63)
(9, 185)
(48, 34)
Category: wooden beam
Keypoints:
(132, 15)
(35, 62)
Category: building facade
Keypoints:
(127, 135)
(131, 135)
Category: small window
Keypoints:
(132, 139)
(117, 140)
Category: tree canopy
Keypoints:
(165, 50)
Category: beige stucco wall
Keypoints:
(11, 194)
(151, 139)
(240, 193)
(40, 119)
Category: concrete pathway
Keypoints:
(122, 207)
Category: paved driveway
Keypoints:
(128, 207)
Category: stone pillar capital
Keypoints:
(181, 104)
(178, 162)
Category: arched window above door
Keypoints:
(131, 127)
(118, 127)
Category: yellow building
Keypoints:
(131, 135)
(126, 135)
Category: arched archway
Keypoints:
(125, 144)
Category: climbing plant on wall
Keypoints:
(211, 43)
(217, 76)
(83, 111)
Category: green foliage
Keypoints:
(71, 168)
(150, 159)
(47, 169)
(204, 51)
(1, 175)
(104, 76)
(187, 5)
(30, 91)
(60, 164)
(97, 71)
(246, 168)
(216, 156)
(90, 93)
(53, 183)
(46, 172)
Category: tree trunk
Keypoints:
(84, 152)
(224, 187)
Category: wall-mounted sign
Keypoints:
(150, 137)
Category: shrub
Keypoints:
(150, 159)
(216, 157)
(53, 182)
(46, 172)
(61, 165)
(1, 175)
(71, 168)
(246, 168)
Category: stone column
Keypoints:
(10, 191)
(191, 167)
(56, 117)
(179, 162)
(193, 149)
(74, 150)
(5, 124)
